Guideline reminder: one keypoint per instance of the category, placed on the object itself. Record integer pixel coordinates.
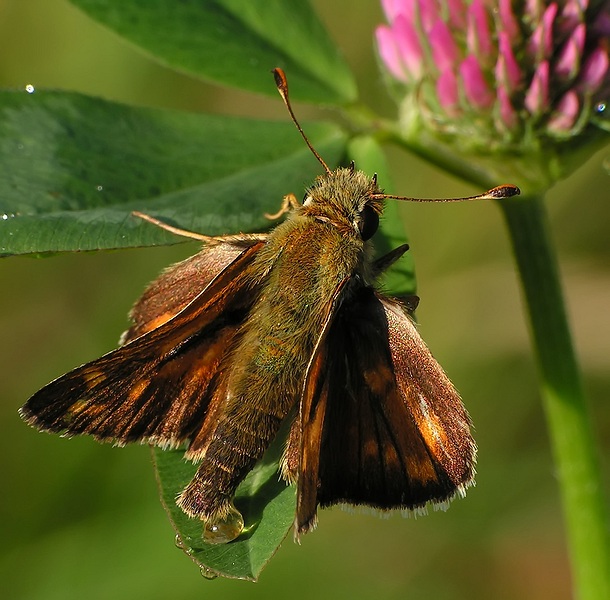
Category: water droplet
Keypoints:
(224, 530)
(29, 88)
(178, 542)
(207, 573)
(600, 108)
(99, 188)
(6, 216)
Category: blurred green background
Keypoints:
(81, 520)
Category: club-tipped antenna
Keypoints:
(282, 87)
(502, 191)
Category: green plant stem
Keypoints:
(570, 429)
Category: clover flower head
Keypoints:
(500, 71)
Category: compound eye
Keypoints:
(368, 223)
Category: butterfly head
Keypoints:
(346, 198)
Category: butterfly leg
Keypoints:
(289, 203)
(239, 238)
(289, 463)
(172, 229)
(387, 260)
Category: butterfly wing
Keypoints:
(381, 423)
(160, 387)
(179, 285)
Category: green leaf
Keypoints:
(72, 168)
(234, 42)
(266, 503)
(369, 157)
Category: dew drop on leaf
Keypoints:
(207, 573)
(224, 530)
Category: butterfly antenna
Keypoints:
(282, 87)
(502, 191)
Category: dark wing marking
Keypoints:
(157, 388)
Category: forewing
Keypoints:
(179, 284)
(384, 427)
(157, 388)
